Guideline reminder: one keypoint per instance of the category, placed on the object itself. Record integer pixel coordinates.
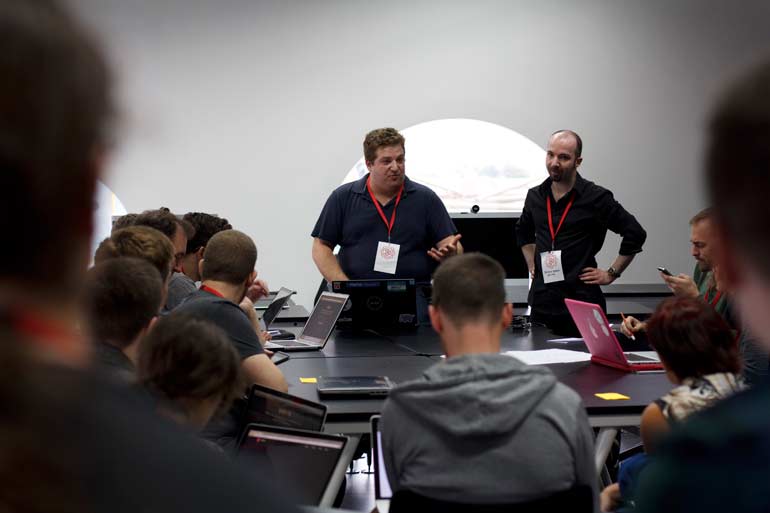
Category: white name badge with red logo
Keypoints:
(387, 257)
(550, 262)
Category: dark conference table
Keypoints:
(405, 356)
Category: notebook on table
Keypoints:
(318, 327)
(602, 342)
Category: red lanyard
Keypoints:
(716, 297)
(561, 221)
(46, 332)
(211, 291)
(379, 208)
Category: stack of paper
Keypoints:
(548, 356)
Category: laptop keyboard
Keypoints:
(635, 358)
(286, 343)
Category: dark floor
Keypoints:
(359, 493)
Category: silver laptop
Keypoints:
(382, 491)
(318, 327)
(306, 467)
(371, 386)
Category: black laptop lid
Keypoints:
(276, 305)
(268, 406)
(379, 303)
(300, 464)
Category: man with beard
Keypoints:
(561, 229)
(360, 217)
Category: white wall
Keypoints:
(255, 110)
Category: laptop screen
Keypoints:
(275, 306)
(379, 303)
(301, 463)
(267, 406)
(324, 316)
(381, 484)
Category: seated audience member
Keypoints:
(702, 283)
(177, 230)
(71, 441)
(139, 242)
(227, 271)
(182, 283)
(122, 300)
(190, 365)
(720, 460)
(123, 221)
(754, 359)
(482, 427)
(705, 285)
(700, 354)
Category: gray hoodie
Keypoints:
(486, 428)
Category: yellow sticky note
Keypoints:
(315, 380)
(612, 396)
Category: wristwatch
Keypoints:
(612, 272)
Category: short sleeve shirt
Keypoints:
(179, 287)
(351, 220)
(228, 316)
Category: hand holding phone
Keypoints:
(665, 271)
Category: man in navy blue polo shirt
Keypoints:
(386, 225)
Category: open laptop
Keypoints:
(382, 491)
(275, 306)
(602, 342)
(272, 311)
(379, 304)
(304, 466)
(318, 327)
(367, 386)
(268, 406)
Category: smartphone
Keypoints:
(665, 271)
(279, 357)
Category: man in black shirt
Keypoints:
(227, 271)
(122, 300)
(562, 228)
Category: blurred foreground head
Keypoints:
(55, 114)
(738, 178)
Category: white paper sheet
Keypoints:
(546, 356)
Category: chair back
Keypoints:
(578, 499)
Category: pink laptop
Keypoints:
(602, 343)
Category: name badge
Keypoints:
(550, 263)
(387, 257)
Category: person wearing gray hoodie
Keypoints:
(482, 427)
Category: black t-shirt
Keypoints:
(112, 361)
(228, 316)
(351, 220)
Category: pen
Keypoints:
(629, 330)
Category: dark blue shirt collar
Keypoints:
(359, 186)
